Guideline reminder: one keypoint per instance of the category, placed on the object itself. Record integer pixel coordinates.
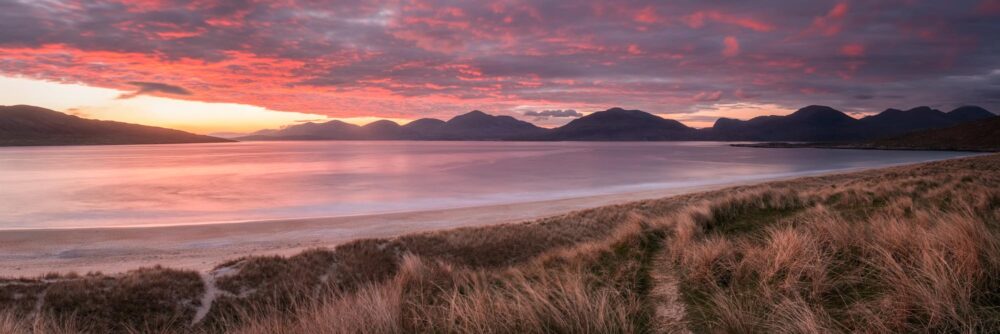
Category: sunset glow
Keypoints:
(212, 66)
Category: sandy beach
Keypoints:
(34, 252)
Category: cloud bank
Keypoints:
(436, 58)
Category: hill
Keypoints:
(477, 125)
(893, 122)
(23, 125)
(617, 124)
(474, 125)
(811, 123)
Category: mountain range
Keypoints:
(23, 125)
(474, 125)
(28, 125)
(811, 123)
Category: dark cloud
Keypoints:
(153, 88)
(554, 113)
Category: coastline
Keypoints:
(200, 247)
(858, 146)
(34, 252)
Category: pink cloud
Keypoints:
(634, 49)
(731, 46)
(989, 7)
(830, 24)
(647, 15)
(707, 96)
(432, 58)
(852, 50)
(697, 20)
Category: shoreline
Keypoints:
(35, 252)
(861, 146)
(200, 247)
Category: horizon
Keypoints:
(364, 121)
(154, 63)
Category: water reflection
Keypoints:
(178, 184)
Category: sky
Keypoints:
(235, 66)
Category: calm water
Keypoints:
(46, 187)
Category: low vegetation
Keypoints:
(905, 249)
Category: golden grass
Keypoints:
(906, 249)
(919, 252)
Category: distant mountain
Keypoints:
(812, 123)
(979, 135)
(825, 124)
(809, 124)
(477, 125)
(474, 125)
(426, 127)
(893, 122)
(617, 124)
(332, 130)
(23, 125)
(969, 113)
(384, 129)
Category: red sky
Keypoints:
(689, 60)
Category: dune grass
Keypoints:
(905, 249)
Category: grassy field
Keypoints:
(904, 249)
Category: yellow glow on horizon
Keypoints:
(103, 103)
(705, 118)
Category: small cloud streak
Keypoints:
(148, 88)
(707, 96)
(554, 113)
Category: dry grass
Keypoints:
(907, 249)
(919, 252)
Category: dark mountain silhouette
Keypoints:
(969, 113)
(477, 125)
(812, 123)
(893, 122)
(809, 124)
(384, 129)
(23, 125)
(474, 125)
(617, 124)
(426, 128)
(825, 124)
